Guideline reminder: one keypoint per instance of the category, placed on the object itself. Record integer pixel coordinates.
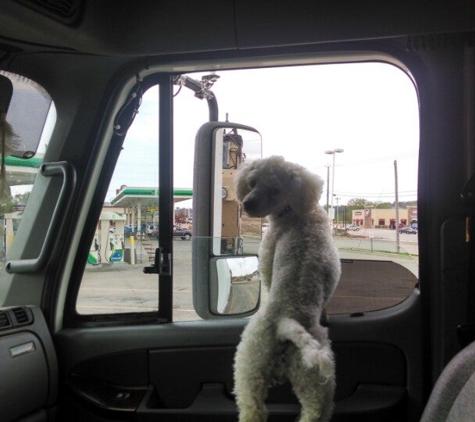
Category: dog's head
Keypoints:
(272, 186)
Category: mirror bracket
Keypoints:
(162, 264)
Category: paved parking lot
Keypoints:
(377, 284)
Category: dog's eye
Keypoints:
(275, 191)
(252, 184)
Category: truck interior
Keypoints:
(123, 122)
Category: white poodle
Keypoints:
(300, 267)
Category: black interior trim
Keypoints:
(116, 398)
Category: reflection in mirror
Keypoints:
(231, 148)
(235, 285)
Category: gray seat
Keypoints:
(453, 396)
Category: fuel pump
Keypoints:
(94, 257)
(115, 243)
(108, 243)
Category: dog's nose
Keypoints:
(249, 205)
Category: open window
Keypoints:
(356, 125)
(126, 233)
(367, 110)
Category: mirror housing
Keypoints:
(218, 244)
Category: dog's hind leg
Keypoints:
(311, 371)
(252, 371)
(315, 397)
(312, 352)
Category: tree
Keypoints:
(383, 205)
(181, 216)
(8, 206)
(21, 198)
(358, 203)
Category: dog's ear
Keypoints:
(241, 186)
(305, 191)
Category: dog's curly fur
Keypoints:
(300, 266)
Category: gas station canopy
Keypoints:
(112, 216)
(130, 196)
(21, 171)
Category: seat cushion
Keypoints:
(452, 398)
(463, 409)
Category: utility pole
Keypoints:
(328, 189)
(333, 152)
(397, 206)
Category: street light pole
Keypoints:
(328, 188)
(333, 152)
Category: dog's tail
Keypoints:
(313, 353)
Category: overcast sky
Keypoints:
(370, 110)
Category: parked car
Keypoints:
(353, 227)
(407, 230)
(154, 232)
(143, 228)
(181, 233)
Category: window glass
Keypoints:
(356, 125)
(27, 119)
(126, 233)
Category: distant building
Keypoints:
(384, 218)
(185, 212)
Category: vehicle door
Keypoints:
(122, 355)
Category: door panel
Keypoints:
(181, 371)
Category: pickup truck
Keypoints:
(181, 233)
(177, 232)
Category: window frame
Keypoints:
(165, 200)
(72, 318)
(165, 299)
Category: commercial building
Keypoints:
(384, 218)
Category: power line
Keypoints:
(378, 194)
(380, 160)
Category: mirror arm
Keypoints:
(202, 91)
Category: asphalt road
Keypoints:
(383, 279)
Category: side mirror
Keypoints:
(234, 285)
(221, 256)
